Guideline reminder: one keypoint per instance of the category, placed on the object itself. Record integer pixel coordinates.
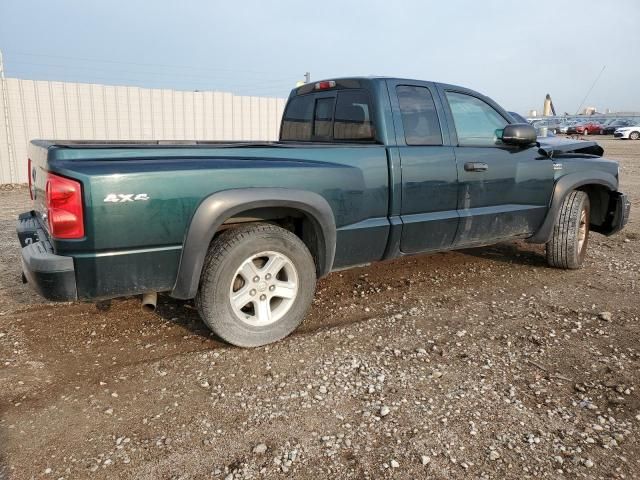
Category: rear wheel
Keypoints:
(568, 245)
(257, 284)
(634, 135)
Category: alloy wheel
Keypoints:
(264, 288)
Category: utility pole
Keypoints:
(307, 77)
(588, 92)
(7, 122)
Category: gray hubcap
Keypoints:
(264, 288)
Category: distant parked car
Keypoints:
(589, 128)
(548, 124)
(632, 133)
(573, 127)
(566, 125)
(609, 128)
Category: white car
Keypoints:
(632, 133)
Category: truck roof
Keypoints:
(376, 77)
(356, 82)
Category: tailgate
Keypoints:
(38, 167)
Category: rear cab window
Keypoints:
(419, 116)
(298, 119)
(335, 116)
(323, 118)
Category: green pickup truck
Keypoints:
(366, 169)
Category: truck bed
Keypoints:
(140, 241)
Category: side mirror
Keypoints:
(521, 134)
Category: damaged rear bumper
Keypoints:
(52, 276)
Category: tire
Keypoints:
(634, 135)
(278, 261)
(568, 245)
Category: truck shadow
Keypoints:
(511, 253)
(179, 313)
(185, 315)
(191, 323)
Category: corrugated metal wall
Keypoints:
(81, 111)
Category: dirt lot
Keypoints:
(475, 364)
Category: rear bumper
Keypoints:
(52, 276)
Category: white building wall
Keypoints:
(80, 111)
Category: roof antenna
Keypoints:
(593, 85)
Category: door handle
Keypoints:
(476, 167)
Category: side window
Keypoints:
(476, 121)
(323, 120)
(353, 117)
(297, 120)
(419, 117)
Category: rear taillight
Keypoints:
(64, 207)
(326, 85)
(30, 175)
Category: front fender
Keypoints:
(564, 185)
(218, 207)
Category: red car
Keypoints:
(590, 128)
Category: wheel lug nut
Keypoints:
(252, 293)
(263, 297)
(272, 288)
(267, 276)
(256, 279)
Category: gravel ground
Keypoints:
(482, 363)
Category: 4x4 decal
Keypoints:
(125, 197)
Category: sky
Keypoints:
(513, 51)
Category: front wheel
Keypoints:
(257, 284)
(568, 245)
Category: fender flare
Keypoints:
(564, 185)
(215, 209)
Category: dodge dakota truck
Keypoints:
(366, 169)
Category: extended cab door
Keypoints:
(503, 190)
(429, 183)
